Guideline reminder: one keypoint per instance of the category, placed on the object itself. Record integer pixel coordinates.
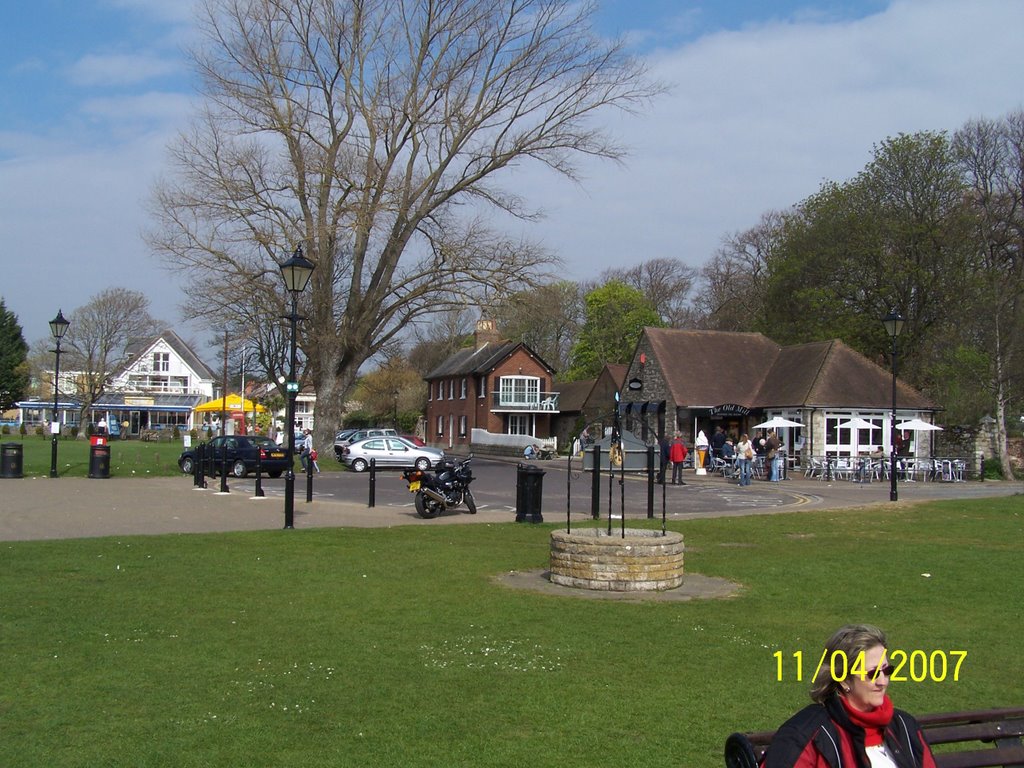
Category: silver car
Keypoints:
(388, 452)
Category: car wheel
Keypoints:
(275, 473)
(422, 463)
(238, 469)
(187, 465)
(359, 465)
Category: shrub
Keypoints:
(6, 429)
(39, 431)
(177, 433)
(74, 431)
(22, 431)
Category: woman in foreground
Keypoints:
(852, 723)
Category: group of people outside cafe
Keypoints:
(739, 454)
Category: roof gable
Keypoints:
(482, 360)
(184, 352)
(705, 368)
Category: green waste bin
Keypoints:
(11, 460)
(99, 461)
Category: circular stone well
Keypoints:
(643, 561)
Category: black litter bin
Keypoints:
(529, 489)
(99, 461)
(11, 460)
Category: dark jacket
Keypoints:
(822, 736)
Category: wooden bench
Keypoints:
(980, 739)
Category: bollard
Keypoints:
(224, 467)
(372, 501)
(197, 467)
(595, 485)
(309, 478)
(650, 482)
(201, 464)
(259, 474)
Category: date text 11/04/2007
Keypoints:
(916, 666)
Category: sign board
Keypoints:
(635, 384)
(729, 409)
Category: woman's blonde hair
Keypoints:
(841, 652)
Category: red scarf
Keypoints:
(872, 722)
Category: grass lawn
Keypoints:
(394, 647)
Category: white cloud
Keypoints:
(758, 118)
(121, 69)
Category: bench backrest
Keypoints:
(987, 738)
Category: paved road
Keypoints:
(44, 508)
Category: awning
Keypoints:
(234, 403)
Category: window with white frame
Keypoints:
(519, 390)
(462, 425)
(440, 425)
(520, 424)
(161, 361)
(462, 389)
(852, 440)
(451, 389)
(481, 386)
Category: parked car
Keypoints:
(358, 434)
(242, 453)
(390, 451)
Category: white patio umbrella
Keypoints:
(856, 423)
(777, 422)
(916, 425)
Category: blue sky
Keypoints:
(767, 100)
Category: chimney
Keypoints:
(486, 331)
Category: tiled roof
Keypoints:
(483, 359)
(705, 368)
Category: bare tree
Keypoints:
(734, 282)
(372, 133)
(100, 335)
(546, 318)
(991, 154)
(666, 283)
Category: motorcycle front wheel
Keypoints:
(470, 502)
(427, 508)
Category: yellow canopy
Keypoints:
(234, 403)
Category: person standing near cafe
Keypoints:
(677, 455)
(771, 448)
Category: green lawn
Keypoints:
(394, 647)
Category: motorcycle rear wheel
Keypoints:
(426, 508)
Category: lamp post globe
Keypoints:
(893, 323)
(58, 327)
(296, 272)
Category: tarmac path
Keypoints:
(44, 508)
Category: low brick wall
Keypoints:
(588, 558)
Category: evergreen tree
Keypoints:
(13, 359)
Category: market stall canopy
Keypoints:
(916, 425)
(777, 422)
(234, 403)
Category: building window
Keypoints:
(519, 390)
(440, 425)
(520, 424)
(161, 361)
(451, 389)
(481, 387)
(462, 426)
(850, 441)
(462, 389)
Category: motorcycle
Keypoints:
(446, 488)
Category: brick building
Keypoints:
(496, 393)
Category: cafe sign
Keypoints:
(729, 409)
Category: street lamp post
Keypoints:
(58, 327)
(394, 397)
(893, 323)
(296, 272)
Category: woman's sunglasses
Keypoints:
(872, 674)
